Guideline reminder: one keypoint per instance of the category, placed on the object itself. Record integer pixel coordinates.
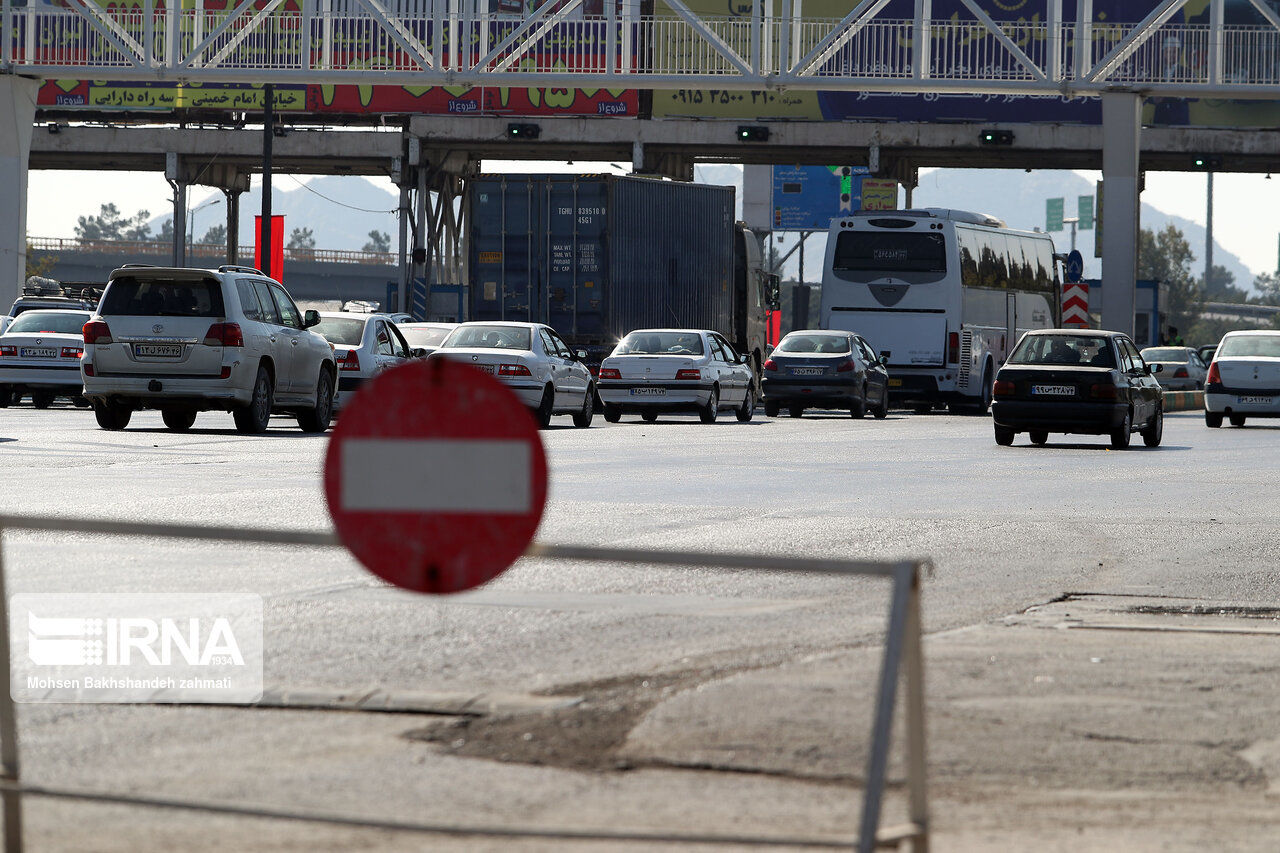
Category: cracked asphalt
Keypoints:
(1090, 681)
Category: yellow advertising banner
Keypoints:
(144, 96)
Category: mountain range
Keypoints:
(342, 210)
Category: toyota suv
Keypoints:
(190, 340)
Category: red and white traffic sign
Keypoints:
(435, 476)
(1075, 305)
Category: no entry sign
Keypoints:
(435, 477)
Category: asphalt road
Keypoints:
(631, 649)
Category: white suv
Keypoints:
(190, 340)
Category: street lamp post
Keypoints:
(191, 218)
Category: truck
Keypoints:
(598, 256)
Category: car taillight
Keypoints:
(953, 348)
(97, 332)
(72, 352)
(688, 374)
(1104, 392)
(1180, 373)
(513, 370)
(88, 367)
(347, 360)
(8, 351)
(226, 372)
(770, 364)
(224, 335)
(1214, 375)
(1003, 388)
(845, 366)
(610, 373)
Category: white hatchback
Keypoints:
(190, 340)
(531, 360)
(1244, 378)
(676, 370)
(40, 355)
(364, 345)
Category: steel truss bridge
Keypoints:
(452, 43)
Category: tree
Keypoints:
(216, 236)
(302, 238)
(109, 224)
(1167, 257)
(40, 266)
(1221, 287)
(1268, 286)
(379, 241)
(166, 230)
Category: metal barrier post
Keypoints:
(918, 803)
(12, 793)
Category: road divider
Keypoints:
(1183, 401)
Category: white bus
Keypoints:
(944, 293)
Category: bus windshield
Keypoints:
(890, 251)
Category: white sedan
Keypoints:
(1244, 378)
(40, 355)
(363, 346)
(673, 370)
(531, 360)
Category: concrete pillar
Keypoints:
(233, 225)
(179, 223)
(1121, 127)
(17, 116)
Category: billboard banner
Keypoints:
(868, 106)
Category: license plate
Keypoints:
(1054, 390)
(484, 368)
(648, 392)
(1256, 401)
(807, 371)
(39, 352)
(157, 350)
(895, 383)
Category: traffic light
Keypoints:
(753, 133)
(523, 131)
(997, 137)
(1206, 162)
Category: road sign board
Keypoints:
(1075, 305)
(1084, 207)
(1075, 266)
(435, 476)
(879, 194)
(1053, 214)
(807, 198)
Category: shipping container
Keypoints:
(597, 256)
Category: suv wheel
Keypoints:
(42, 399)
(254, 417)
(317, 419)
(178, 420)
(111, 414)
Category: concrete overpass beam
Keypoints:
(1121, 129)
(17, 117)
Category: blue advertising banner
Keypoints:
(807, 198)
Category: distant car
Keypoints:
(1244, 379)
(531, 360)
(676, 370)
(44, 303)
(1182, 368)
(187, 340)
(40, 355)
(1206, 353)
(425, 338)
(363, 346)
(1077, 381)
(825, 370)
(399, 318)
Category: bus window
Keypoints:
(993, 266)
(890, 251)
(1044, 265)
(1020, 275)
(970, 245)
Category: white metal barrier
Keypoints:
(903, 659)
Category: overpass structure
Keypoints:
(879, 46)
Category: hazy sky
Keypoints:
(1246, 215)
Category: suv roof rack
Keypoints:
(134, 266)
(239, 268)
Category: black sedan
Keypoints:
(825, 370)
(1077, 381)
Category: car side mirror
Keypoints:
(580, 355)
(884, 356)
(418, 352)
(310, 318)
(1154, 368)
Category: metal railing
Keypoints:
(903, 660)
(558, 45)
(215, 251)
